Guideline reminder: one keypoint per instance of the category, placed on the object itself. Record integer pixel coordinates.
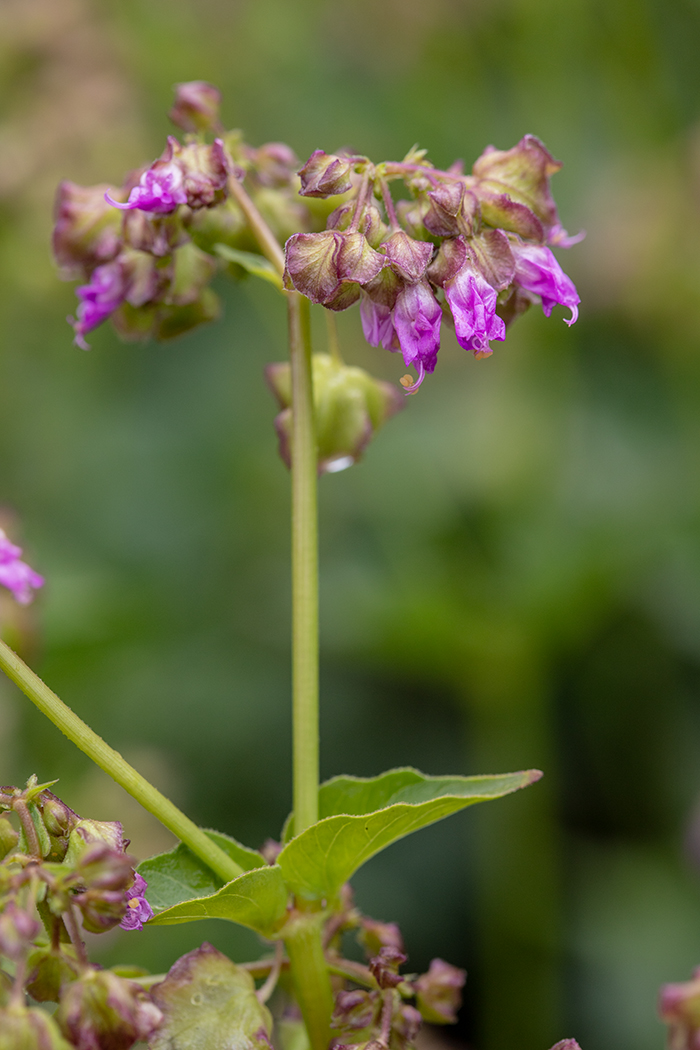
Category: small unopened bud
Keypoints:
(49, 971)
(87, 833)
(9, 837)
(356, 1009)
(374, 936)
(408, 257)
(196, 106)
(384, 967)
(87, 231)
(521, 173)
(405, 1026)
(350, 407)
(29, 1029)
(325, 175)
(439, 992)
(566, 1044)
(17, 930)
(105, 1011)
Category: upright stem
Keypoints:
(112, 762)
(304, 570)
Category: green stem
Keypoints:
(112, 763)
(310, 976)
(304, 570)
(263, 234)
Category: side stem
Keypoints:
(112, 763)
(304, 570)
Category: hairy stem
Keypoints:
(311, 981)
(304, 570)
(112, 763)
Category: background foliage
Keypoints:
(510, 579)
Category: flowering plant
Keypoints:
(470, 250)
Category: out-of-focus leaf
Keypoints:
(258, 265)
(209, 1003)
(369, 814)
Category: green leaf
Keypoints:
(257, 899)
(209, 1003)
(258, 265)
(361, 816)
(180, 875)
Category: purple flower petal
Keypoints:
(16, 575)
(98, 299)
(472, 301)
(160, 189)
(417, 316)
(536, 270)
(377, 324)
(138, 911)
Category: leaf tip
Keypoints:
(532, 776)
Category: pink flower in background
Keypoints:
(138, 910)
(16, 575)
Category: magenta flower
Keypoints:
(377, 324)
(160, 189)
(138, 910)
(416, 318)
(16, 575)
(472, 301)
(98, 299)
(536, 270)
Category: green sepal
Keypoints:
(362, 816)
(179, 875)
(257, 265)
(256, 899)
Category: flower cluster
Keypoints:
(58, 867)
(146, 251)
(472, 249)
(15, 574)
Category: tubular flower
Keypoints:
(16, 575)
(536, 270)
(472, 301)
(417, 316)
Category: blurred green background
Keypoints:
(512, 576)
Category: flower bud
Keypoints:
(319, 264)
(17, 930)
(409, 258)
(325, 175)
(196, 106)
(384, 967)
(206, 170)
(438, 992)
(521, 174)
(274, 164)
(87, 833)
(29, 1029)
(49, 970)
(374, 936)
(453, 210)
(87, 231)
(350, 407)
(102, 868)
(9, 837)
(405, 1026)
(356, 1009)
(371, 223)
(101, 1010)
